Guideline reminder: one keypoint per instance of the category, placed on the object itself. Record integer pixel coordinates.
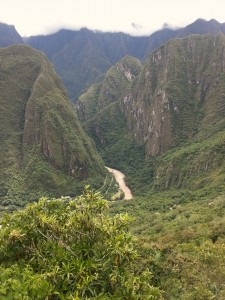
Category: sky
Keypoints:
(137, 17)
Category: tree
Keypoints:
(70, 249)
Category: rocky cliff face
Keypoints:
(178, 94)
(43, 146)
(174, 107)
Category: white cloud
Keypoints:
(36, 17)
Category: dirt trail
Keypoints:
(119, 177)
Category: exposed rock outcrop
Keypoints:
(178, 94)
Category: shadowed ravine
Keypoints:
(119, 177)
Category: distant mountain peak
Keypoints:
(202, 26)
(9, 35)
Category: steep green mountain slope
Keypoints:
(174, 114)
(113, 88)
(44, 150)
(101, 111)
(82, 57)
(177, 105)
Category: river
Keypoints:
(119, 177)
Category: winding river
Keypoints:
(119, 177)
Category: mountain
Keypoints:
(101, 112)
(184, 91)
(175, 109)
(82, 57)
(53, 43)
(178, 94)
(173, 102)
(44, 150)
(9, 35)
(86, 55)
(112, 89)
(201, 26)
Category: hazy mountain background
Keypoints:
(82, 57)
(9, 35)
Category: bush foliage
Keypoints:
(70, 249)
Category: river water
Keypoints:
(119, 177)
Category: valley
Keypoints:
(152, 107)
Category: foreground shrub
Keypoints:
(70, 249)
